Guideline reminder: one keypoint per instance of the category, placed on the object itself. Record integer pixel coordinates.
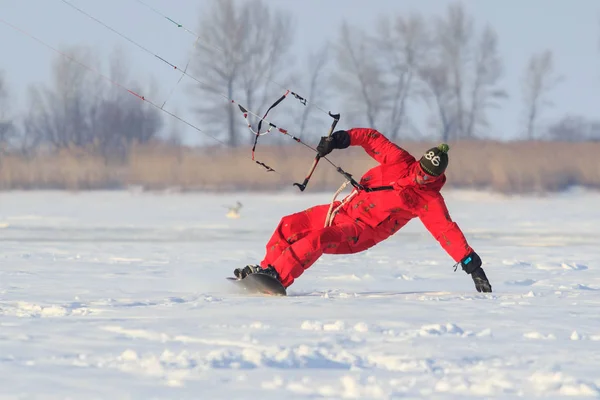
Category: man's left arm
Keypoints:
(436, 218)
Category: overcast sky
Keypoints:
(571, 29)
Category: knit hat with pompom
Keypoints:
(435, 160)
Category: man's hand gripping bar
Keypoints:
(302, 186)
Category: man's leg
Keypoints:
(303, 253)
(291, 228)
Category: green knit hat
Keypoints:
(435, 160)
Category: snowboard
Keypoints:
(260, 284)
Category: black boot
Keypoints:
(241, 273)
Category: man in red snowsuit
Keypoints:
(399, 189)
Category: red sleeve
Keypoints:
(378, 146)
(437, 220)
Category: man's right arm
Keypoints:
(373, 142)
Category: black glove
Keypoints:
(337, 140)
(471, 264)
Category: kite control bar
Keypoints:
(302, 186)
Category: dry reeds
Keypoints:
(514, 167)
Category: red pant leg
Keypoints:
(291, 228)
(303, 253)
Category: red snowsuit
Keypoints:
(367, 218)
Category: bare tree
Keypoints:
(445, 72)
(240, 48)
(119, 120)
(79, 110)
(462, 74)
(439, 92)
(219, 59)
(484, 92)
(574, 128)
(359, 76)
(58, 115)
(403, 43)
(267, 53)
(316, 86)
(454, 35)
(6, 124)
(540, 78)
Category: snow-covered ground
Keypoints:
(121, 295)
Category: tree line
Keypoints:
(446, 63)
